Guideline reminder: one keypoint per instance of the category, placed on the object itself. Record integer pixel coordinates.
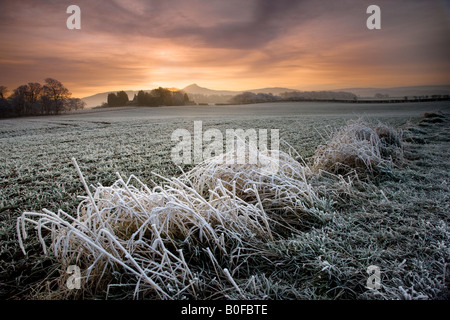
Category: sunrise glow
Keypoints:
(229, 45)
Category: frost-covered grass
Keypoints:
(368, 148)
(398, 222)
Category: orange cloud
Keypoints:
(224, 44)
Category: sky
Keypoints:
(224, 44)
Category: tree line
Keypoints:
(250, 97)
(117, 100)
(154, 98)
(34, 99)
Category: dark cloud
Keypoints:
(268, 19)
(213, 23)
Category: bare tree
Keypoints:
(57, 93)
(35, 91)
(33, 95)
(34, 99)
(75, 104)
(20, 99)
(45, 104)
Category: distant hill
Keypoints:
(205, 95)
(195, 89)
(400, 91)
(276, 91)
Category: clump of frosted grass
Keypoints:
(277, 184)
(141, 231)
(359, 146)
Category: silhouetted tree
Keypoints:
(45, 104)
(33, 95)
(122, 98)
(74, 104)
(250, 97)
(140, 98)
(35, 91)
(19, 99)
(3, 92)
(148, 99)
(25, 99)
(6, 109)
(57, 93)
(118, 100)
(163, 97)
(35, 99)
(112, 100)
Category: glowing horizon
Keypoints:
(224, 45)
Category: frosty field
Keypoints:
(396, 221)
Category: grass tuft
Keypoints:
(360, 146)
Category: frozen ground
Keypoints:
(404, 229)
